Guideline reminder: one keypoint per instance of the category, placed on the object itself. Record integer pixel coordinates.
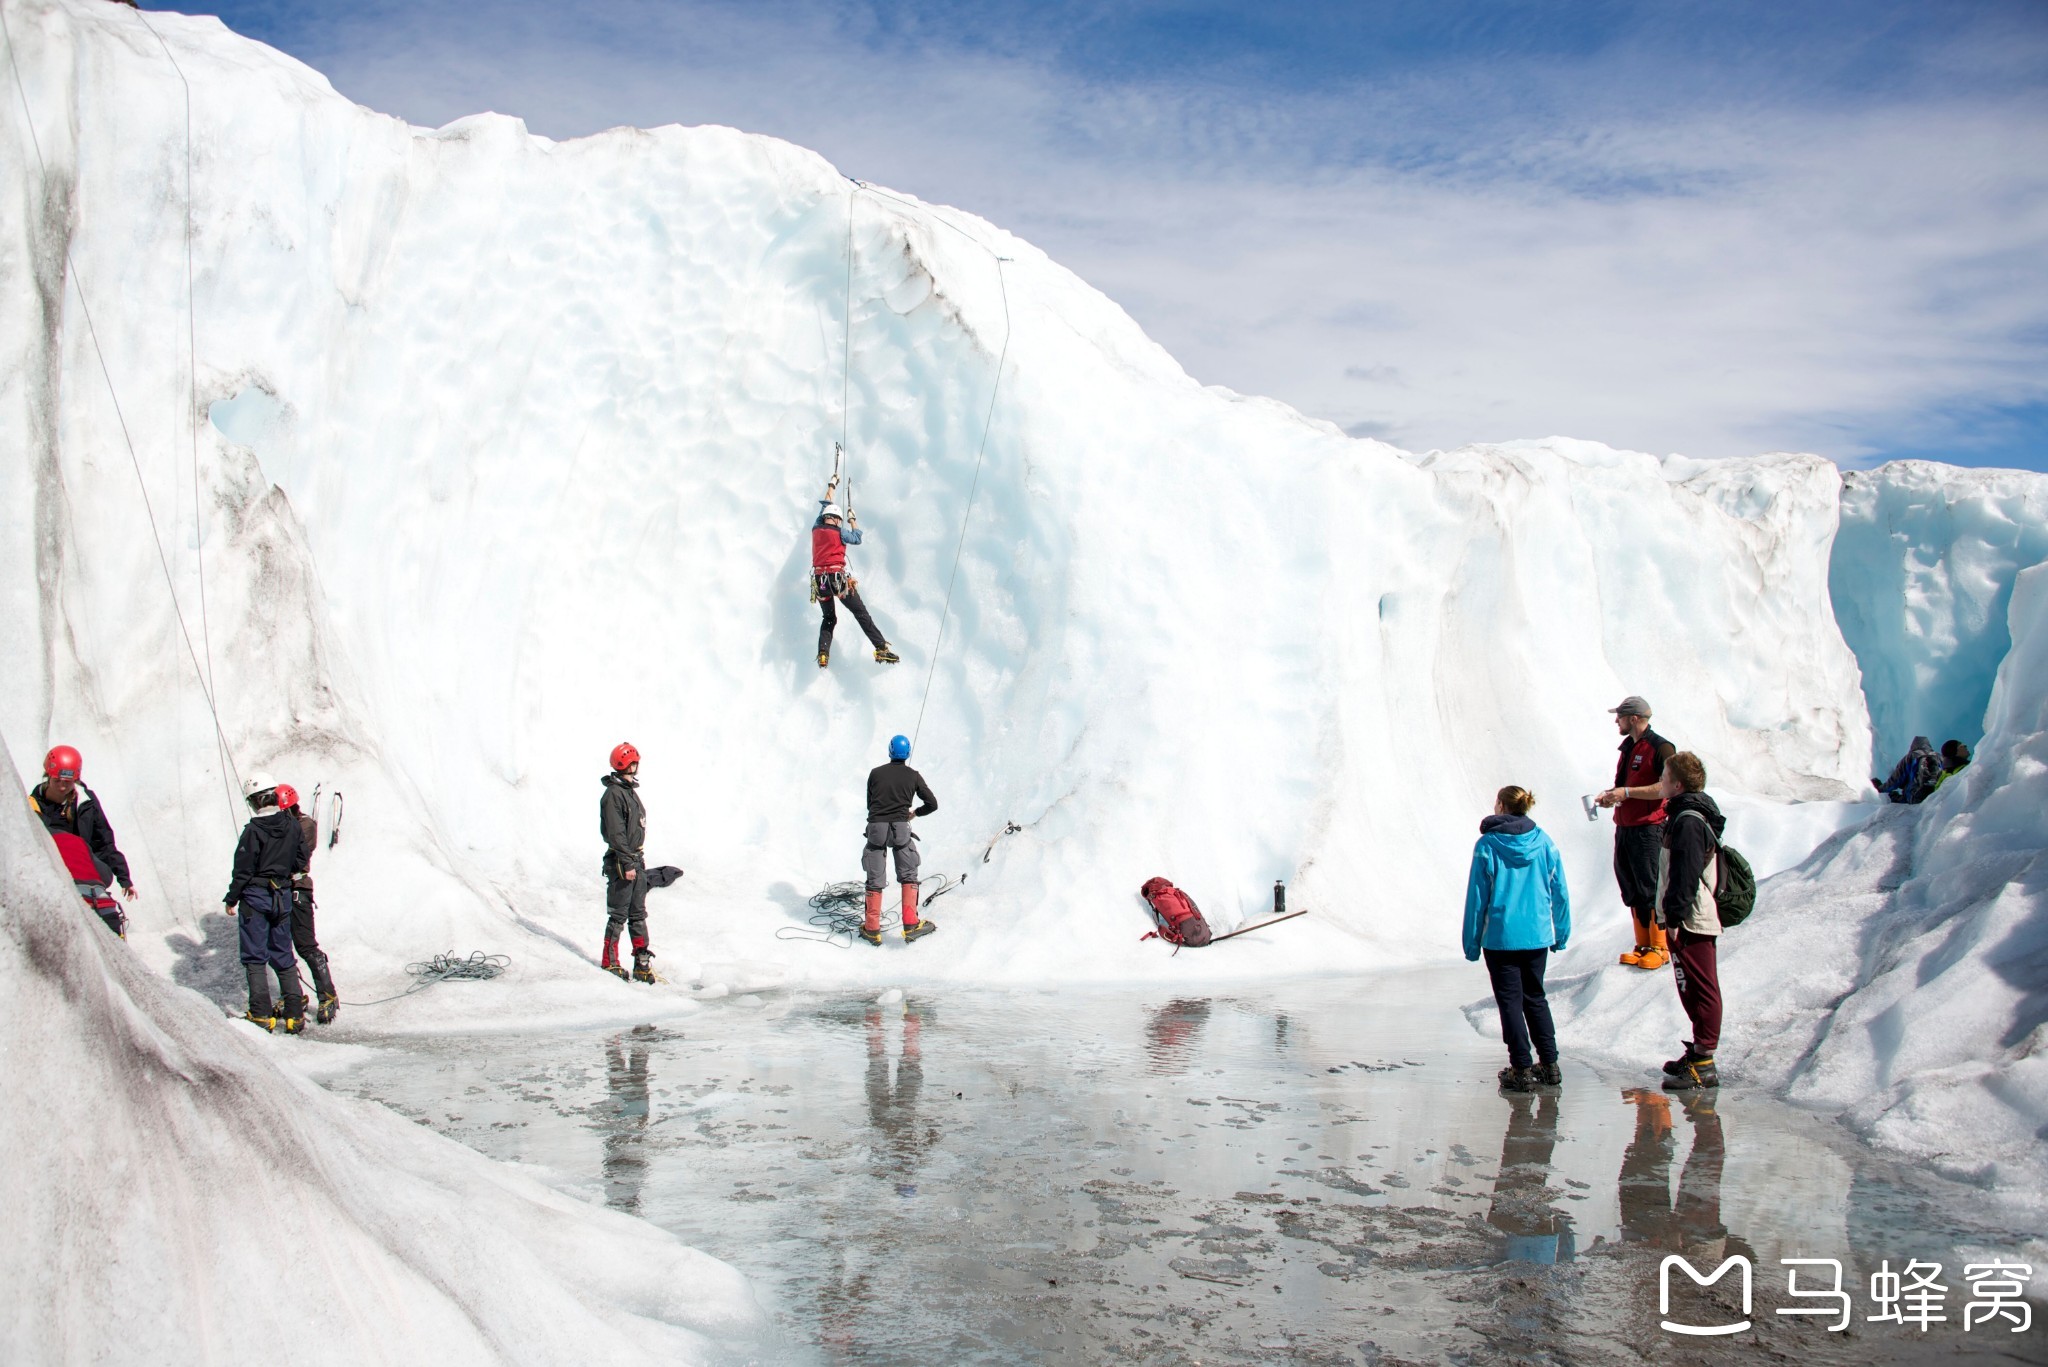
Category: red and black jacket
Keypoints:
(1641, 765)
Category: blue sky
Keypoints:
(1708, 228)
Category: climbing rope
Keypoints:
(836, 916)
(478, 967)
(106, 372)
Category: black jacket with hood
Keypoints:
(81, 816)
(1689, 847)
(271, 850)
(622, 819)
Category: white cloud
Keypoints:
(1699, 274)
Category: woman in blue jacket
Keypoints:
(1517, 911)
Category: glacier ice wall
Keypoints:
(506, 449)
(1921, 574)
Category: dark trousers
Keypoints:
(1696, 968)
(626, 903)
(1636, 851)
(860, 614)
(1524, 1011)
(266, 932)
(307, 943)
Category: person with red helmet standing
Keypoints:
(831, 582)
(303, 938)
(72, 815)
(622, 819)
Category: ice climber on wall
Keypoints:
(891, 787)
(622, 819)
(303, 938)
(1638, 818)
(271, 850)
(830, 581)
(72, 816)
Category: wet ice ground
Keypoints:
(1309, 1172)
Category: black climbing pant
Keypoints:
(860, 614)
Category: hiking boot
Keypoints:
(267, 1022)
(1634, 958)
(1700, 1073)
(1657, 953)
(618, 971)
(886, 656)
(643, 966)
(873, 937)
(329, 1008)
(824, 658)
(1513, 1079)
(1686, 1058)
(293, 1025)
(1549, 1074)
(918, 931)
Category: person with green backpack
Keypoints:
(1704, 887)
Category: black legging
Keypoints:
(860, 614)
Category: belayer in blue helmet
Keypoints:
(891, 787)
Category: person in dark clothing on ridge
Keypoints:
(1638, 818)
(1692, 840)
(622, 819)
(1921, 773)
(71, 814)
(891, 787)
(271, 850)
(304, 940)
(830, 581)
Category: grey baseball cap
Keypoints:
(1631, 706)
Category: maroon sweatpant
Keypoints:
(1695, 969)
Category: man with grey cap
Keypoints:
(1638, 826)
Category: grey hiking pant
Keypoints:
(884, 836)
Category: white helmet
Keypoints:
(257, 783)
(832, 510)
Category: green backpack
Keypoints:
(1734, 883)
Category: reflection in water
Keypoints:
(1172, 1031)
(1524, 1205)
(625, 1131)
(892, 1106)
(1692, 1222)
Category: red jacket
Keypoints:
(828, 550)
(1640, 766)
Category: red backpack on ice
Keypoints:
(1180, 920)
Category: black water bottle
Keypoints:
(1279, 897)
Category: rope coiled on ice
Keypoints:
(446, 968)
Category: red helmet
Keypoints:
(62, 760)
(624, 757)
(287, 797)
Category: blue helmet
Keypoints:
(899, 747)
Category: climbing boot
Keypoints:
(1686, 1058)
(1696, 1075)
(329, 1008)
(886, 656)
(824, 658)
(618, 971)
(871, 918)
(1513, 1079)
(918, 931)
(909, 906)
(643, 966)
(293, 1025)
(610, 961)
(873, 937)
(267, 1022)
(1549, 1075)
(1659, 952)
(1634, 958)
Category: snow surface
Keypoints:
(499, 450)
(176, 1191)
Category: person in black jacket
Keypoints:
(1685, 904)
(271, 850)
(891, 787)
(69, 809)
(622, 819)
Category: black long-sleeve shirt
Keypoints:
(80, 815)
(890, 788)
(271, 850)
